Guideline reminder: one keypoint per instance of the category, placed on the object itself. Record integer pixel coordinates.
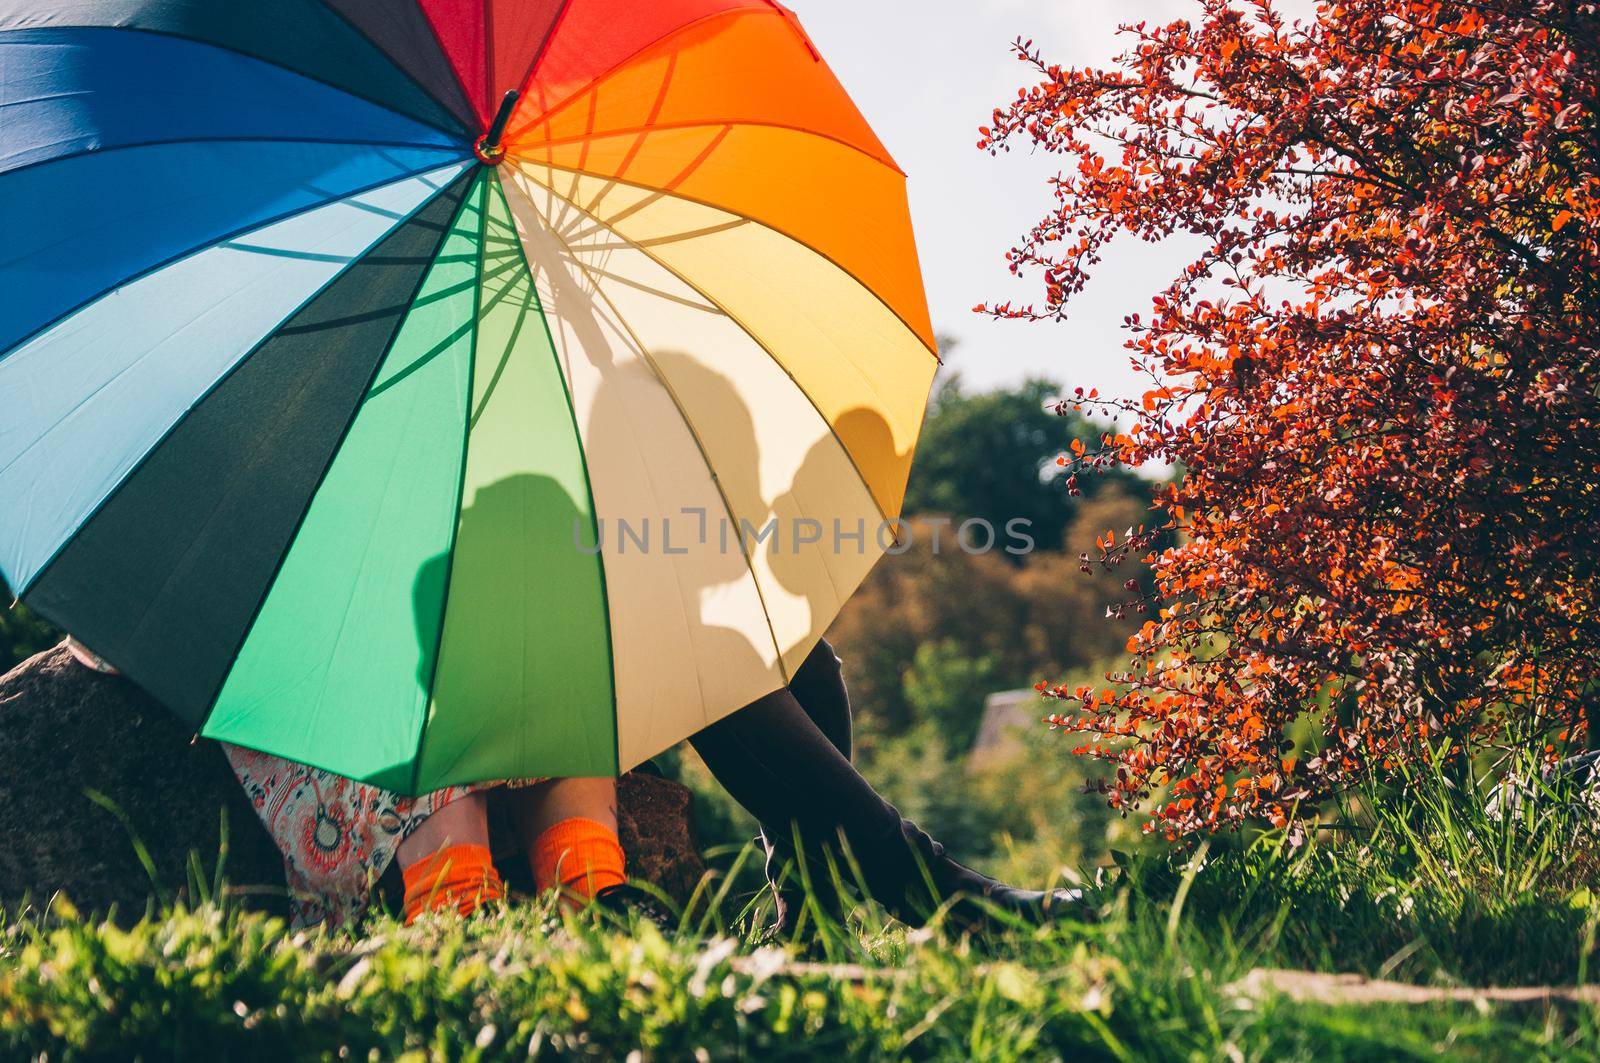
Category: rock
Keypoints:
(655, 820)
(67, 732)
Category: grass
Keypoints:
(216, 983)
(1438, 884)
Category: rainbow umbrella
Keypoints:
(449, 390)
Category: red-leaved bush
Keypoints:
(1381, 379)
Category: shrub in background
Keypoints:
(1381, 375)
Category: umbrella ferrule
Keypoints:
(488, 149)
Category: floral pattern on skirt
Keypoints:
(336, 835)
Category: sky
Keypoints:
(927, 74)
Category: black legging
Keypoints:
(786, 759)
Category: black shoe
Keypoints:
(899, 879)
(628, 899)
(978, 898)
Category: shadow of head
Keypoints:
(862, 433)
(869, 441)
(861, 446)
(511, 530)
(709, 398)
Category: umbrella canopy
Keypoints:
(440, 391)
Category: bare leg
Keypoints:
(568, 828)
(537, 809)
(464, 821)
(446, 861)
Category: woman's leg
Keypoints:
(818, 685)
(786, 761)
(445, 861)
(536, 809)
(568, 828)
(464, 821)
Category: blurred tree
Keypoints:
(947, 687)
(919, 597)
(1076, 618)
(992, 455)
(924, 617)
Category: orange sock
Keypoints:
(459, 876)
(578, 855)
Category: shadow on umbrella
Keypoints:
(507, 627)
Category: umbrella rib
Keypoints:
(663, 193)
(333, 454)
(438, 349)
(706, 123)
(683, 415)
(675, 238)
(655, 112)
(629, 282)
(455, 150)
(689, 168)
(854, 465)
(190, 252)
(505, 358)
(480, 190)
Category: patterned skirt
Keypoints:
(337, 836)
